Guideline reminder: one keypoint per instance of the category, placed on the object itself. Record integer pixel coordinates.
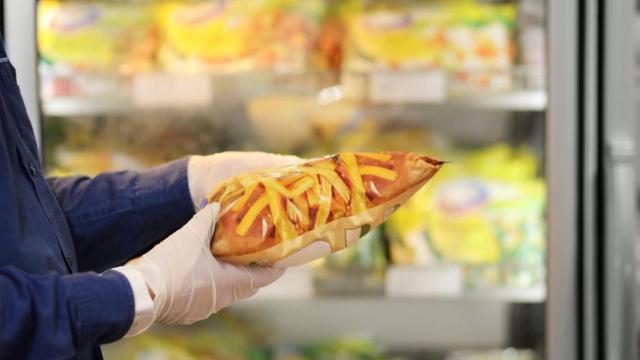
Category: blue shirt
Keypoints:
(58, 234)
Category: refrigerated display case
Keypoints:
(521, 248)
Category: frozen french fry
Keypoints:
(269, 216)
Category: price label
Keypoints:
(173, 90)
(426, 86)
(434, 280)
(295, 283)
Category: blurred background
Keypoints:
(523, 247)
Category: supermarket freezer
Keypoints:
(588, 149)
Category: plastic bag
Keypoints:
(97, 36)
(292, 215)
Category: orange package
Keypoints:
(288, 216)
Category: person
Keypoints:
(67, 279)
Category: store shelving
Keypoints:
(77, 106)
(471, 318)
(520, 100)
(416, 323)
(504, 295)
(180, 92)
(297, 285)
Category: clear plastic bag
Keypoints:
(292, 215)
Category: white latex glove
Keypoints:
(205, 172)
(185, 281)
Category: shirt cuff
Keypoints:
(103, 305)
(143, 304)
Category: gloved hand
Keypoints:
(205, 172)
(185, 282)
(179, 281)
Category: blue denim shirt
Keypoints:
(58, 234)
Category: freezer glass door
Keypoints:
(459, 272)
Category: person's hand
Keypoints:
(205, 172)
(186, 282)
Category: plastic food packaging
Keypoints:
(96, 36)
(289, 216)
(466, 43)
(485, 213)
(248, 35)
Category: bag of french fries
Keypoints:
(291, 215)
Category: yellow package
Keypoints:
(454, 35)
(97, 36)
(396, 36)
(481, 210)
(236, 35)
(211, 30)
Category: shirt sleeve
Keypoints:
(116, 216)
(57, 316)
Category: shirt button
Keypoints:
(32, 170)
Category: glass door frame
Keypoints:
(561, 159)
(21, 45)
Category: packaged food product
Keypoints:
(228, 36)
(479, 47)
(307, 120)
(468, 42)
(97, 35)
(190, 29)
(328, 44)
(395, 35)
(268, 115)
(347, 347)
(227, 336)
(288, 216)
(484, 212)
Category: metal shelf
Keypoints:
(446, 320)
(297, 285)
(394, 323)
(102, 94)
(84, 107)
(521, 100)
(512, 295)
(498, 295)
